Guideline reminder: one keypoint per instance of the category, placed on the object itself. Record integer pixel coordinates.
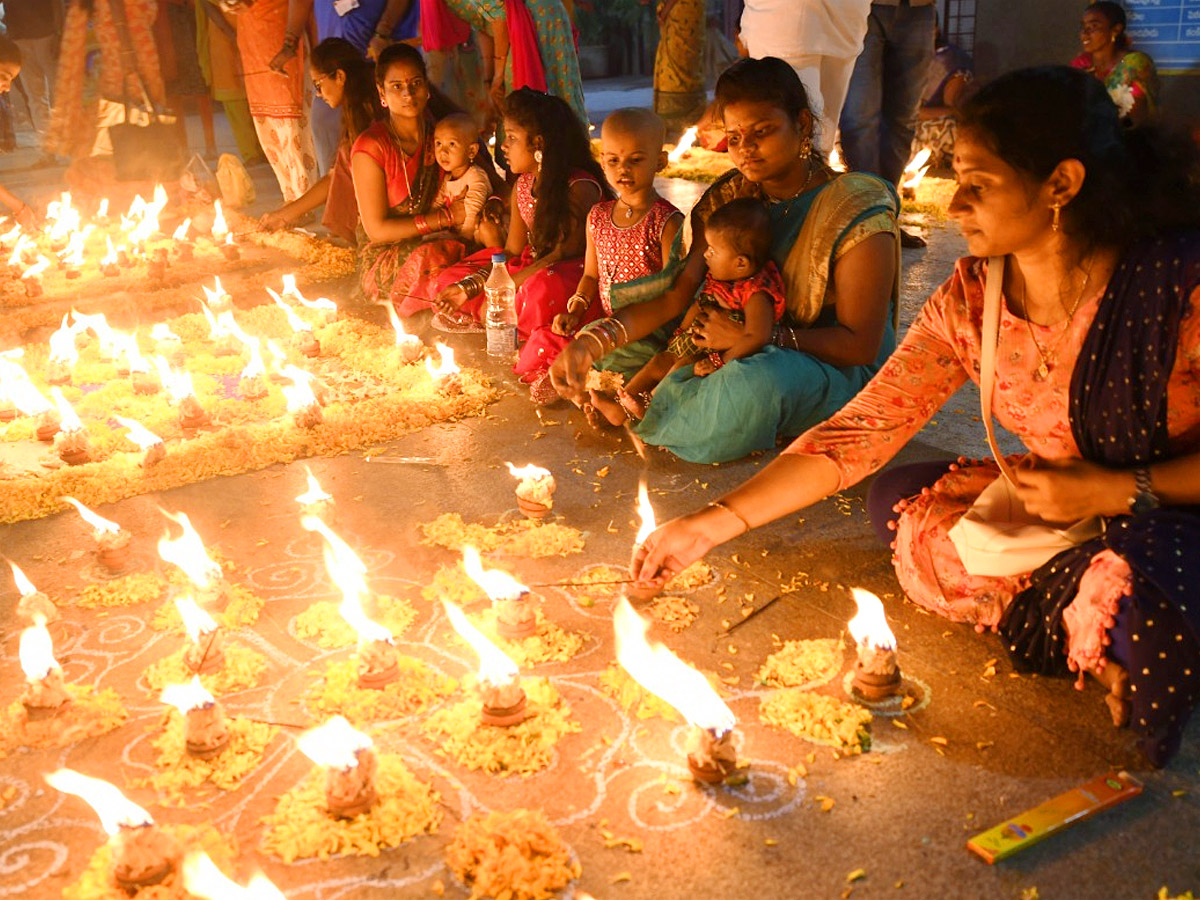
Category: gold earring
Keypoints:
(1054, 220)
(806, 147)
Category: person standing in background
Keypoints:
(820, 39)
(216, 50)
(36, 26)
(879, 118)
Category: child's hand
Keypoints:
(458, 211)
(564, 324)
(704, 367)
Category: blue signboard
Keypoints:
(1167, 30)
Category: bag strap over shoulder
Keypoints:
(987, 356)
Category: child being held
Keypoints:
(455, 145)
(741, 279)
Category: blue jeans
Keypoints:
(879, 117)
(325, 123)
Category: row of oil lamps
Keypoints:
(164, 369)
(144, 854)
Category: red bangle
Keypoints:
(421, 225)
(715, 358)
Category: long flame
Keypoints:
(686, 140)
(299, 394)
(68, 420)
(315, 493)
(181, 232)
(114, 808)
(99, 523)
(188, 553)
(36, 652)
(536, 473)
(202, 878)
(219, 227)
(495, 668)
(496, 584)
(663, 673)
(869, 625)
(62, 344)
(645, 513)
(196, 621)
(24, 585)
(186, 697)
(138, 433)
(446, 367)
(334, 745)
(297, 323)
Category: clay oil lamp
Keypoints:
(110, 262)
(913, 173)
(225, 342)
(686, 141)
(185, 249)
(112, 541)
(229, 249)
(276, 363)
(217, 297)
(125, 348)
(504, 701)
(876, 673)
(166, 342)
(147, 441)
(664, 674)
(97, 325)
(143, 854)
(62, 219)
(377, 659)
(188, 554)
(63, 353)
(643, 591)
(301, 401)
(33, 605)
(17, 259)
(252, 385)
(535, 490)
(71, 258)
(45, 693)
(408, 346)
(17, 393)
(516, 616)
(348, 758)
(179, 387)
(205, 651)
(303, 338)
(70, 443)
(316, 502)
(31, 278)
(325, 309)
(156, 265)
(447, 377)
(29, 400)
(206, 732)
(202, 878)
(142, 378)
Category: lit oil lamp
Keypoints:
(504, 701)
(229, 249)
(34, 606)
(71, 257)
(29, 401)
(664, 674)
(378, 661)
(348, 758)
(166, 342)
(447, 377)
(17, 259)
(686, 140)
(225, 342)
(143, 854)
(535, 490)
(31, 278)
(205, 651)
(125, 348)
(217, 297)
(63, 353)
(112, 541)
(45, 694)
(913, 173)
(408, 346)
(302, 403)
(97, 325)
(9, 239)
(876, 673)
(156, 265)
(179, 386)
(278, 362)
(70, 443)
(147, 441)
(142, 378)
(101, 216)
(325, 309)
(302, 334)
(315, 502)
(515, 614)
(252, 385)
(202, 878)
(219, 226)
(110, 262)
(206, 732)
(17, 392)
(188, 553)
(644, 590)
(184, 248)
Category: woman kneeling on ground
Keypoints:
(1090, 231)
(834, 240)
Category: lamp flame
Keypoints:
(219, 226)
(36, 652)
(536, 473)
(196, 620)
(495, 668)
(916, 169)
(869, 626)
(68, 420)
(446, 367)
(62, 344)
(102, 209)
(664, 674)
(24, 585)
(138, 433)
(178, 384)
(181, 232)
(216, 294)
(645, 513)
(186, 697)
(496, 584)
(110, 258)
(188, 553)
(334, 745)
(686, 140)
(349, 574)
(99, 523)
(297, 323)
(315, 493)
(114, 808)
(255, 367)
(299, 394)
(36, 270)
(402, 335)
(202, 878)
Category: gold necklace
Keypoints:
(1049, 356)
(812, 170)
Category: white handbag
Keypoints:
(997, 536)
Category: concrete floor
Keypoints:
(902, 811)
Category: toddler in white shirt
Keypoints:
(455, 146)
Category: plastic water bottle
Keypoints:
(501, 313)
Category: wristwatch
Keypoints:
(1144, 499)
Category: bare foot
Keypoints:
(634, 404)
(609, 407)
(1116, 679)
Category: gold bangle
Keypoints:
(721, 504)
